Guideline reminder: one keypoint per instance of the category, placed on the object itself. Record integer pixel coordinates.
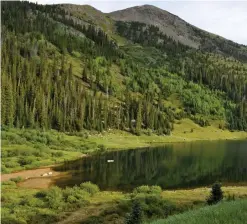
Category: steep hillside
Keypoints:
(63, 68)
(175, 27)
(86, 14)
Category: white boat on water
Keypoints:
(110, 160)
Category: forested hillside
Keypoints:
(73, 68)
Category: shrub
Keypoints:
(25, 160)
(94, 220)
(102, 148)
(12, 220)
(76, 192)
(4, 169)
(216, 194)
(41, 194)
(135, 217)
(142, 189)
(16, 179)
(12, 153)
(54, 198)
(31, 201)
(148, 190)
(4, 153)
(11, 164)
(90, 187)
(9, 183)
(75, 197)
(57, 154)
(154, 205)
(44, 217)
(12, 137)
(155, 190)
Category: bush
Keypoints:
(90, 187)
(75, 197)
(16, 179)
(31, 201)
(44, 218)
(154, 205)
(54, 198)
(142, 189)
(147, 190)
(12, 220)
(102, 148)
(25, 161)
(94, 220)
(4, 169)
(12, 138)
(57, 154)
(135, 217)
(41, 194)
(9, 183)
(155, 190)
(216, 194)
(11, 164)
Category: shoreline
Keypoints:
(142, 144)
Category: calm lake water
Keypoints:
(171, 166)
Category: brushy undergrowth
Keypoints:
(32, 206)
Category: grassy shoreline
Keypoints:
(184, 131)
(25, 149)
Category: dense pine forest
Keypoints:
(64, 71)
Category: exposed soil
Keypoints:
(34, 178)
(26, 174)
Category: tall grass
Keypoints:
(234, 212)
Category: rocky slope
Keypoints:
(180, 30)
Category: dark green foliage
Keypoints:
(200, 67)
(16, 179)
(135, 217)
(43, 207)
(41, 88)
(11, 220)
(216, 194)
(151, 202)
(94, 220)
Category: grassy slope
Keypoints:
(182, 133)
(225, 213)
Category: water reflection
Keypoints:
(181, 165)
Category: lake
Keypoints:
(171, 166)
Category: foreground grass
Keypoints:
(88, 205)
(233, 212)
